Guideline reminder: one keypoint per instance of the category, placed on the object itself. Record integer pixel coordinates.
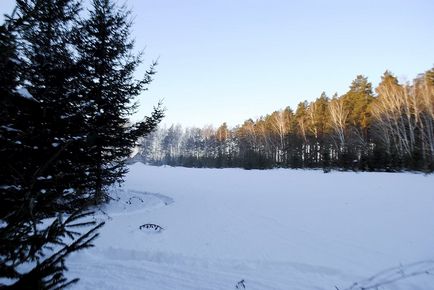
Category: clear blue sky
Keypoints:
(230, 60)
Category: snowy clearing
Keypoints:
(179, 228)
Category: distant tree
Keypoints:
(424, 92)
(318, 125)
(222, 133)
(357, 101)
(171, 144)
(390, 124)
(403, 121)
(338, 123)
(280, 126)
(222, 136)
(248, 143)
(301, 117)
(150, 148)
(211, 145)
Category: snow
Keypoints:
(48, 177)
(23, 92)
(69, 190)
(10, 129)
(6, 187)
(273, 229)
(3, 224)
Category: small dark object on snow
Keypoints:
(155, 227)
(240, 285)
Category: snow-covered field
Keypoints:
(274, 229)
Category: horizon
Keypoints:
(229, 62)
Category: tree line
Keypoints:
(67, 89)
(387, 130)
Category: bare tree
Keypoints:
(424, 91)
(394, 114)
(338, 121)
(280, 123)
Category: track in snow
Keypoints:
(276, 229)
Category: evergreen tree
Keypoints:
(50, 78)
(357, 101)
(109, 88)
(55, 125)
(30, 189)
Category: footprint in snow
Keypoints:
(240, 285)
(151, 228)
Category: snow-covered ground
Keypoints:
(274, 229)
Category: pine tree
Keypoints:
(357, 101)
(107, 83)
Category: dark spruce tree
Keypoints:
(49, 75)
(109, 88)
(29, 188)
